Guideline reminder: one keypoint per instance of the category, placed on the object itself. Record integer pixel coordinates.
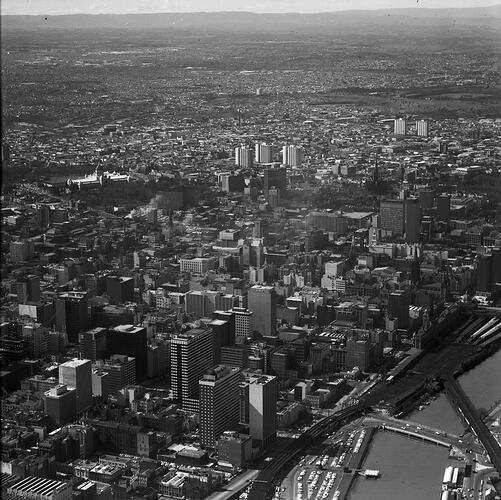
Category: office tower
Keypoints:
(243, 324)
(274, 197)
(131, 341)
(72, 315)
(40, 488)
(326, 221)
(422, 128)
(398, 307)
(263, 391)
(223, 335)
(427, 228)
(357, 354)
(264, 153)
(232, 183)
(392, 216)
(399, 127)
(93, 343)
(274, 177)
(263, 304)
(21, 251)
(60, 405)
(5, 154)
(235, 355)
(227, 317)
(77, 374)
(219, 408)
(412, 220)
(426, 198)
(100, 383)
(121, 372)
(120, 289)
(257, 230)
(292, 155)
(484, 274)
(36, 340)
(234, 448)
(191, 356)
(28, 289)
(443, 207)
(243, 157)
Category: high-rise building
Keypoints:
(484, 274)
(223, 335)
(243, 324)
(326, 221)
(392, 216)
(219, 408)
(131, 341)
(357, 354)
(21, 251)
(264, 153)
(77, 374)
(422, 128)
(243, 157)
(28, 289)
(426, 198)
(292, 155)
(121, 372)
(60, 405)
(398, 307)
(274, 177)
(72, 316)
(120, 289)
(274, 197)
(93, 343)
(263, 391)
(191, 356)
(263, 304)
(399, 127)
(412, 220)
(443, 207)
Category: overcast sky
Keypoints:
(53, 7)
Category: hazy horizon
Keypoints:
(63, 7)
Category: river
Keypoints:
(409, 468)
(481, 384)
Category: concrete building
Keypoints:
(40, 488)
(219, 409)
(263, 304)
(263, 391)
(392, 216)
(77, 374)
(191, 356)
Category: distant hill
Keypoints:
(252, 22)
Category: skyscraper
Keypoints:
(399, 127)
(263, 304)
(219, 403)
(264, 153)
(443, 207)
(274, 177)
(121, 372)
(243, 157)
(131, 341)
(28, 289)
(191, 356)
(93, 343)
(72, 316)
(412, 220)
(398, 307)
(422, 128)
(77, 374)
(292, 155)
(392, 216)
(263, 391)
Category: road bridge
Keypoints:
(460, 400)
